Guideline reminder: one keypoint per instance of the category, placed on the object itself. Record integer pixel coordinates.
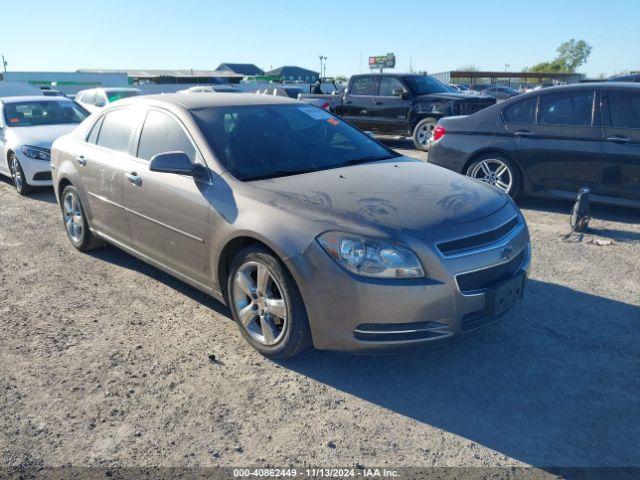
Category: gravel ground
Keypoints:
(104, 361)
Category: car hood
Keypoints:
(400, 193)
(39, 136)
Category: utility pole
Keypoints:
(323, 65)
(506, 66)
(4, 64)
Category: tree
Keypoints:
(468, 68)
(571, 55)
(574, 53)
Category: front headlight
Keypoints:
(371, 258)
(36, 152)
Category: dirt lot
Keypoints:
(104, 361)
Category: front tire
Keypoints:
(497, 170)
(267, 305)
(17, 175)
(423, 133)
(75, 221)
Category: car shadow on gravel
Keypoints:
(555, 383)
(42, 194)
(122, 259)
(598, 212)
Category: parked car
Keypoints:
(96, 98)
(28, 127)
(399, 104)
(500, 92)
(210, 89)
(291, 92)
(311, 231)
(551, 142)
(634, 77)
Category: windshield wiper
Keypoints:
(370, 158)
(281, 173)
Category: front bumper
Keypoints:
(348, 312)
(36, 172)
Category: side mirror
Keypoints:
(171, 162)
(400, 93)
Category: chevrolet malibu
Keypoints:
(313, 233)
(28, 127)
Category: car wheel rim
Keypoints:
(16, 173)
(259, 304)
(73, 217)
(494, 172)
(425, 132)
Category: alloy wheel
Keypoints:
(425, 133)
(73, 220)
(494, 172)
(259, 303)
(16, 173)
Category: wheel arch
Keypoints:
(63, 183)
(231, 249)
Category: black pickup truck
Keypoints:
(406, 105)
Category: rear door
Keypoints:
(168, 213)
(100, 162)
(621, 133)
(390, 111)
(562, 150)
(357, 108)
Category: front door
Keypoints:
(562, 151)
(390, 108)
(168, 213)
(358, 104)
(621, 134)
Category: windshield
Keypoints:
(255, 142)
(112, 96)
(423, 85)
(43, 112)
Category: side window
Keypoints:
(116, 130)
(93, 134)
(522, 112)
(365, 86)
(571, 108)
(388, 85)
(624, 109)
(161, 134)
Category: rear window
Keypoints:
(522, 112)
(43, 112)
(119, 94)
(571, 108)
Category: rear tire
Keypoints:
(270, 312)
(17, 175)
(497, 170)
(423, 133)
(75, 221)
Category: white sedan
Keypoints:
(28, 127)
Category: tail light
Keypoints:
(438, 133)
(326, 105)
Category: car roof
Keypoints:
(33, 98)
(206, 100)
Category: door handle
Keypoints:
(348, 102)
(377, 102)
(524, 133)
(617, 139)
(135, 179)
(81, 160)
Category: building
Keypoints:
(173, 77)
(295, 74)
(506, 78)
(68, 82)
(244, 69)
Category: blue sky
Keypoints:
(435, 36)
